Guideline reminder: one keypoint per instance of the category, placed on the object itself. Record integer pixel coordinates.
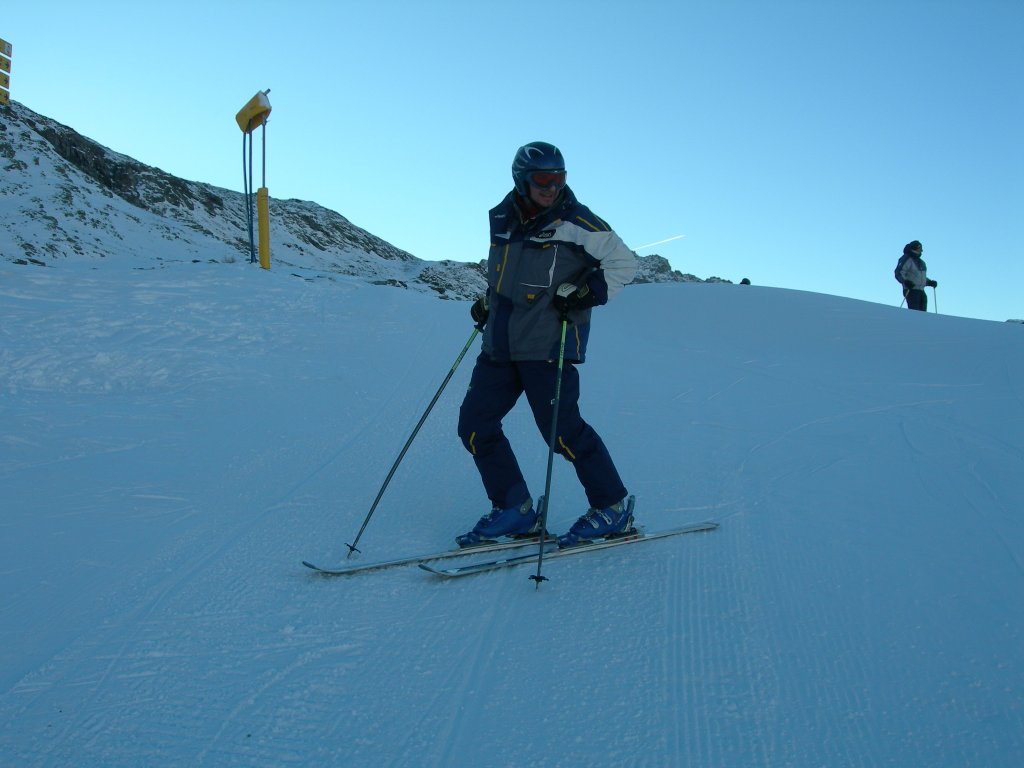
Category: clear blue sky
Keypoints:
(799, 144)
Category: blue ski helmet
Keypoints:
(535, 156)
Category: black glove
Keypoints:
(569, 298)
(479, 312)
(908, 285)
(933, 284)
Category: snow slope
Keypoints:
(175, 440)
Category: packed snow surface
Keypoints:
(174, 441)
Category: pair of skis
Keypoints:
(490, 546)
(433, 562)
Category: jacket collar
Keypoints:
(530, 216)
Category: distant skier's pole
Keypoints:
(352, 547)
(551, 456)
(935, 300)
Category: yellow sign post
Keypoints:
(6, 51)
(263, 216)
(250, 117)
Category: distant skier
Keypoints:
(912, 273)
(549, 255)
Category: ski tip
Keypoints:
(322, 571)
(436, 571)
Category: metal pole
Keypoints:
(352, 547)
(551, 456)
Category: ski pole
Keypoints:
(935, 300)
(551, 456)
(352, 547)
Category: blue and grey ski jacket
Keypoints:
(529, 259)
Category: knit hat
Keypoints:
(913, 246)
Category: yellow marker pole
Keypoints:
(263, 215)
(6, 52)
(250, 117)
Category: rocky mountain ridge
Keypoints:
(65, 196)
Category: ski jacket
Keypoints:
(912, 269)
(529, 259)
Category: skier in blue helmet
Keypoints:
(550, 258)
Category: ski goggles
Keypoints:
(547, 179)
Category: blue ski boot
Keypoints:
(520, 520)
(600, 524)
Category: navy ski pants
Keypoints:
(917, 299)
(494, 389)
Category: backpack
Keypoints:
(899, 267)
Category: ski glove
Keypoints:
(479, 312)
(569, 298)
(933, 284)
(908, 285)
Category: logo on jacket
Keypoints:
(547, 234)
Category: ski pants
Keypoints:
(917, 299)
(494, 389)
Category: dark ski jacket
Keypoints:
(912, 269)
(530, 258)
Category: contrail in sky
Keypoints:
(667, 240)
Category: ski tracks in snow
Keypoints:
(716, 672)
(464, 668)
